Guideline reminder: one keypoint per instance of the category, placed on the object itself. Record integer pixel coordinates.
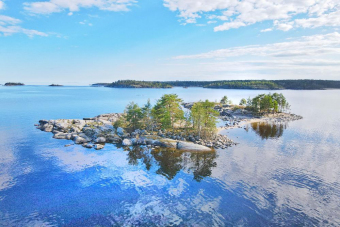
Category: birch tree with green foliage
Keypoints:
(167, 111)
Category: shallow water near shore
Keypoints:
(285, 174)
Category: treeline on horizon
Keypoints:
(230, 84)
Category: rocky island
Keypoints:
(96, 132)
(170, 123)
(55, 85)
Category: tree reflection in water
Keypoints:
(269, 130)
(170, 162)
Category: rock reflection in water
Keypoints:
(169, 162)
(268, 130)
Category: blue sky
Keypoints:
(79, 42)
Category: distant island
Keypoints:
(14, 84)
(230, 84)
(135, 84)
(55, 85)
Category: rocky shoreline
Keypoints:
(235, 118)
(96, 132)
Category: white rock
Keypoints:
(79, 140)
(127, 142)
(98, 146)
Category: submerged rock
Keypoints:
(191, 146)
(89, 146)
(168, 143)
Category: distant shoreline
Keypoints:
(229, 84)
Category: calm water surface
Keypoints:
(278, 174)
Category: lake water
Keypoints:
(277, 175)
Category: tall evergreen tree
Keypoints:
(134, 116)
(168, 111)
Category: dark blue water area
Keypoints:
(276, 176)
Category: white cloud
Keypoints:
(229, 25)
(9, 20)
(53, 6)
(85, 23)
(9, 26)
(267, 30)
(306, 46)
(235, 14)
(316, 57)
(42, 7)
(2, 5)
(331, 19)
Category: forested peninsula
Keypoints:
(230, 84)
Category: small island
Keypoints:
(55, 85)
(13, 84)
(171, 123)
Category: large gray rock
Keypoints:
(47, 128)
(100, 140)
(120, 131)
(62, 125)
(79, 123)
(68, 136)
(113, 139)
(141, 141)
(167, 143)
(134, 141)
(79, 140)
(60, 136)
(127, 142)
(75, 129)
(191, 147)
(106, 127)
(90, 132)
